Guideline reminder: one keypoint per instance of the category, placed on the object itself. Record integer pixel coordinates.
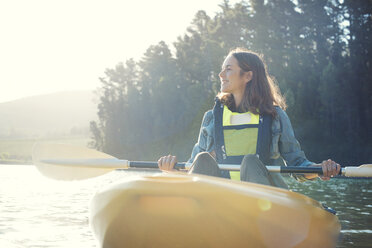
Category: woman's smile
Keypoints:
(231, 78)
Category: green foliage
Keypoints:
(318, 51)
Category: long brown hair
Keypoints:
(261, 94)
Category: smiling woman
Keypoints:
(261, 93)
(248, 91)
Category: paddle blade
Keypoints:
(364, 170)
(44, 153)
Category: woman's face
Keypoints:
(231, 80)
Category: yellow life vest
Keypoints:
(239, 134)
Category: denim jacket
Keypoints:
(284, 143)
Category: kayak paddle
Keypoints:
(69, 162)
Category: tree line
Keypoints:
(319, 52)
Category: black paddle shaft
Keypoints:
(283, 169)
(298, 169)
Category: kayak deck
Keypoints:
(179, 210)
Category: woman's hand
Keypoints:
(167, 163)
(330, 169)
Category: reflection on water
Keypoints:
(352, 199)
(39, 212)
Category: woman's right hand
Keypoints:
(167, 163)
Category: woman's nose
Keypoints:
(220, 74)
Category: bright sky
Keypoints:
(56, 45)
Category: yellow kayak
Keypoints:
(180, 210)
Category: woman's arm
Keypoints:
(205, 139)
(289, 147)
(290, 150)
(205, 143)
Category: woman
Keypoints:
(247, 126)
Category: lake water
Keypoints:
(39, 212)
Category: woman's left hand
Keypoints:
(330, 169)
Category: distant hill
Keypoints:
(48, 116)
